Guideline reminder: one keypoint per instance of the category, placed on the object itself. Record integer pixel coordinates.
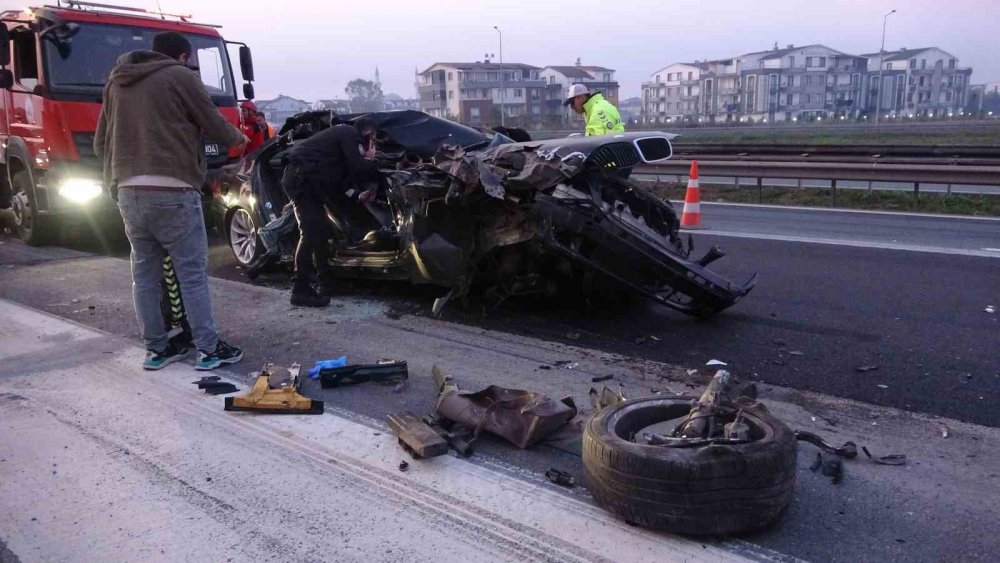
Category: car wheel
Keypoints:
(707, 490)
(33, 229)
(243, 239)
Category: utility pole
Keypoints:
(881, 66)
(503, 93)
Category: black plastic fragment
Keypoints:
(891, 459)
(601, 378)
(834, 469)
(561, 478)
(394, 372)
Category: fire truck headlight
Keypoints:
(80, 190)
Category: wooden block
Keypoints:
(421, 439)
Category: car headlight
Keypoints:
(80, 190)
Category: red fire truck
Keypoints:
(54, 61)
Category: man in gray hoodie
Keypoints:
(150, 136)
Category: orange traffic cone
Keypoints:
(691, 219)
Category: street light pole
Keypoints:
(881, 66)
(503, 93)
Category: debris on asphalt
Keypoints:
(692, 371)
(573, 335)
(882, 386)
(716, 363)
(817, 463)
(416, 436)
(521, 417)
(834, 469)
(573, 365)
(263, 399)
(991, 309)
(561, 363)
(606, 397)
(655, 338)
(866, 369)
(891, 459)
(399, 387)
(779, 342)
(945, 431)
(403, 466)
(213, 385)
(327, 364)
(458, 437)
(849, 450)
(544, 367)
(640, 340)
(387, 372)
(796, 353)
(600, 378)
(561, 478)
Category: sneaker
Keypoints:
(223, 355)
(159, 360)
(308, 298)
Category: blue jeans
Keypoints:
(158, 223)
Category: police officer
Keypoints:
(320, 170)
(600, 115)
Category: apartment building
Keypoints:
(808, 82)
(925, 82)
(673, 93)
(558, 79)
(281, 108)
(811, 82)
(468, 92)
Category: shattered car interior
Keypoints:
(464, 208)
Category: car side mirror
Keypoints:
(246, 63)
(4, 45)
(248, 91)
(6, 79)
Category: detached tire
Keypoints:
(709, 490)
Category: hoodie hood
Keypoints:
(137, 65)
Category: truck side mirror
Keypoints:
(6, 79)
(246, 63)
(4, 45)
(248, 91)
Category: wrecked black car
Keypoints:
(464, 208)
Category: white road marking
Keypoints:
(839, 210)
(854, 243)
(145, 466)
(992, 249)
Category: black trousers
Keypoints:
(312, 256)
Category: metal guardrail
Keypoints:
(833, 171)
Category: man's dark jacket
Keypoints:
(329, 163)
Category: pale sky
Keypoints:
(310, 49)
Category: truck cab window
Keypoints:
(25, 59)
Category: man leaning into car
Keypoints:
(320, 170)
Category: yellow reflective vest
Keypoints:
(601, 116)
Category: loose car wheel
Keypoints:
(33, 228)
(243, 239)
(707, 490)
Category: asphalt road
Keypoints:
(818, 314)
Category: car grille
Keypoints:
(615, 155)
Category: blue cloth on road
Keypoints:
(327, 364)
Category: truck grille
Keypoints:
(615, 155)
(85, 146)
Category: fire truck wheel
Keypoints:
(712, 490)
(33, 228)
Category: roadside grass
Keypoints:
(982, 205)
(779, 136)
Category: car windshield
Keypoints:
(83, 64)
